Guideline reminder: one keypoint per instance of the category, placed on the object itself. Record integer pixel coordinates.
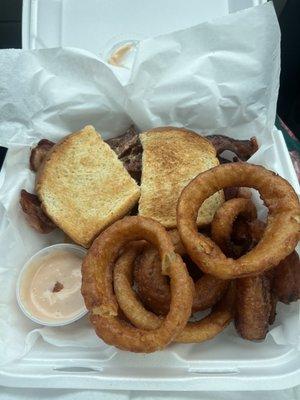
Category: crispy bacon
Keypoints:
(38, 153)
(286, 282)
(129, 150)
(35, 216)
(126, 143)
(243, 149)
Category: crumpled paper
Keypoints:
(220, 77)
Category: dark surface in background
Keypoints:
(288, 106)
(3, 151)
(10, 23)
(289, 19)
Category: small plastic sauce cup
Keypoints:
(29, 270)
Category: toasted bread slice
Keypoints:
(84, 187)
(172, 157)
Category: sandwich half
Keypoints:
(84, 187)
(172, 157)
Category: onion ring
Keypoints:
(97, 286)
(154, 289)
(279, 239)
(286, 279)
(210, 326)
(255, 306)
(224, 218)
(199, 331)
(248, 232)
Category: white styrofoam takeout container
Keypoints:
(97, 25)
(224, 363)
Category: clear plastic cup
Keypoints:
(72, 248)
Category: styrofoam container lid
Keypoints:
(98, 25)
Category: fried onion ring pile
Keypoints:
(256, 296)
(153, 287)
(140, 293)
(131, 305)
(280, 236)
(98, 292)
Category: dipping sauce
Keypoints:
(50, 287)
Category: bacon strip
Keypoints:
(38, 153)
(35, 216)
(129, 150)
(243, 149)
